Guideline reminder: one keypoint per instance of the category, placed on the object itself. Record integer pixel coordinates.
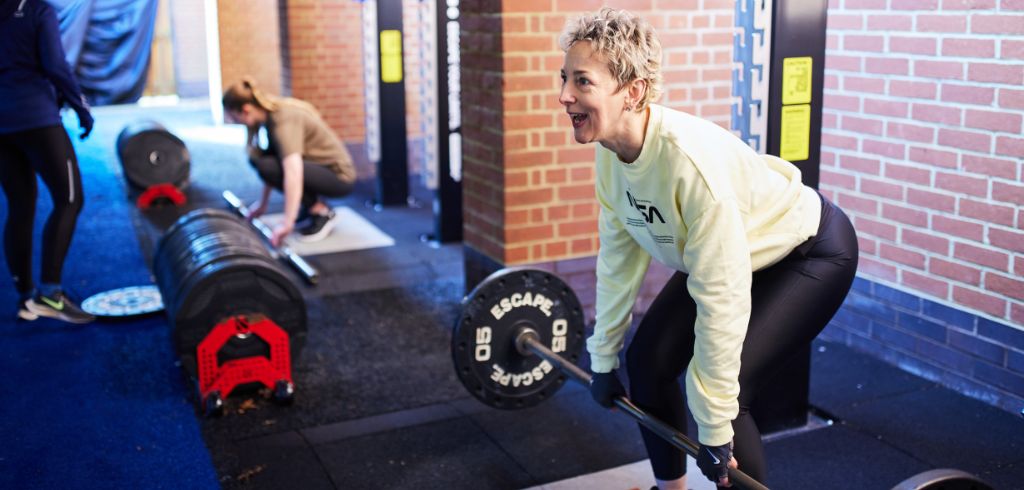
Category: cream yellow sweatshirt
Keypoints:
(702, 202)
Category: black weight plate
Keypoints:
(121, 302)
(483, 341)
(238, 287)
(184, 233)
(942, 479)
(196, 214)
(210, 265)
(151, 155)
(192, 238)
(171, 235)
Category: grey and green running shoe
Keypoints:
(58, 306)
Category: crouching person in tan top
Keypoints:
(305, 159)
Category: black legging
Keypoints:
(48, 152)
(317, 180)
(791, 302)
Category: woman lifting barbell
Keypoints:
(305, 159)
(763, 262)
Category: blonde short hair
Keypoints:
(628, 42)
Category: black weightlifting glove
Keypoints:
(605, 388)
(713, 461)
(86, 121)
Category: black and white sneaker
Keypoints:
(319, 226)
(58, 306)
(302, 220)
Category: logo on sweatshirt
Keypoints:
(646, 209)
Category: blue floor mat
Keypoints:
(100, 405)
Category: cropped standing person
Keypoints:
(762, 261)
(35, 81)
(306, 160)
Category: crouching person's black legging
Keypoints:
(791, 302)
(317, 180)
(48, 152)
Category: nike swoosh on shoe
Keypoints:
(57, 305)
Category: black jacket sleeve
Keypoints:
(51, 59)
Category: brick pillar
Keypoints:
(483, 184)
(528, 187)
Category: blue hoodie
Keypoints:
(32, 68)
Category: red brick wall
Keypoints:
(250, 42)
(922, 146)
(529, 187)
(326, 56)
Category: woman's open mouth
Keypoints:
(578, 119)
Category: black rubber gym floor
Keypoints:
(378, 404)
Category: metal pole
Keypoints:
(528, 342)
(310, 274)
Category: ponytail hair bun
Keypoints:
(247, 91)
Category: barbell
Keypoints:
(308, 272)
(507, 343)
(518, 339)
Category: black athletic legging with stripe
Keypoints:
(45, 151)
(791, 302)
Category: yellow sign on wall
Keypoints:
(796, 80)
(391, 56)
(795, 142)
